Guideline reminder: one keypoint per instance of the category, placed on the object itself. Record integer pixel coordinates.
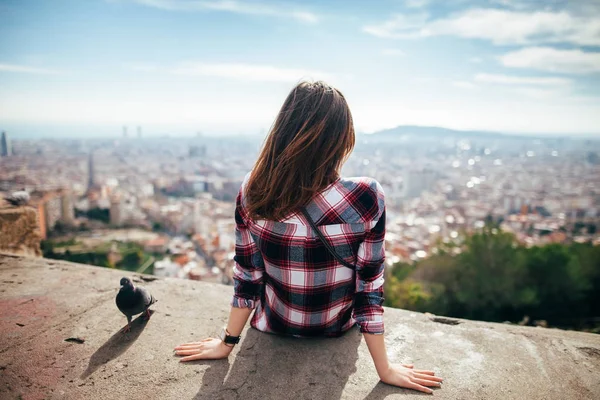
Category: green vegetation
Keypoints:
(493, 278)
(126, 256)
(100, 214)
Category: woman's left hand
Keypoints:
(207, 349)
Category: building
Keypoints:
(5, 146)
(68, 211)
(417, 181)
(91, 177)
(197, 151)
(157, 245)
(116, 211)
(53, 207)
(95, 193)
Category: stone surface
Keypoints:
(43, 302)
(19, 231)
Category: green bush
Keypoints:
(494, 278)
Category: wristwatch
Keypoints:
(227, 338)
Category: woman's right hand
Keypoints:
(407, 377)
(207, 349)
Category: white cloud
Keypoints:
(305, 16)
(142, 67)
(416, 3)
(476, 60)
(542, 89)
(554, 60)
(399, 22)
(522, 80)
(498, 26)
(540, 94)
(204, 112)
(464, 85)
(554, 115)
(233, 6)
(392, 52)
(515, 4)
(248, 72)
(27, 70)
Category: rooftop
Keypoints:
(44, 302)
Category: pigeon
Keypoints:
(18, 198)
(133, 300)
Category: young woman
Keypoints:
(298, 282)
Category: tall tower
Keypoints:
(5, 148)
(68, 212)
(139, 131)
(116, 210)
(124, 131)
(91, 180)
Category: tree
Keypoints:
(131, 259)
(494, 278)
(559, 279)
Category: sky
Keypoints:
(90, 67)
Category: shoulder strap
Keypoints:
(324, 240)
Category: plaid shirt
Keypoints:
(284, 272)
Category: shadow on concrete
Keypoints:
(382, 391)
(116, 345)
(275, 367)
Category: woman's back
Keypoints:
(298, 288)
(284, 270)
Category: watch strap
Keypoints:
(228, 339)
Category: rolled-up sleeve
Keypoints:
(249, 266)
(368, 298)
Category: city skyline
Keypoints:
(224, 67)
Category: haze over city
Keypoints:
(454, 222)
(87, 68)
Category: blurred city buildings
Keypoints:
(165, 205)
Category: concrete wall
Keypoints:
(19, 231)
(43, 302)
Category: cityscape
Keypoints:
(164, 205)
(127, 128)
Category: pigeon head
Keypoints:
(126, 283)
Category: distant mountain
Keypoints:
(432, 131)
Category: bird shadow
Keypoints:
(275, 367)
(116, 345)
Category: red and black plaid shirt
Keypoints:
(297, 287)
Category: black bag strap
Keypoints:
(325, 242)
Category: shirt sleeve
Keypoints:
(368, 298)
(249, 266)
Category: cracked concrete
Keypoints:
(43, 302)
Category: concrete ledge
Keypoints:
(43, 302)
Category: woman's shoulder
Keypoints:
(363, 183)
(363, 195)
(244, 184)
(351, 183)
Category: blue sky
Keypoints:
(225, 66)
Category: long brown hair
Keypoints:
(309, 141)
